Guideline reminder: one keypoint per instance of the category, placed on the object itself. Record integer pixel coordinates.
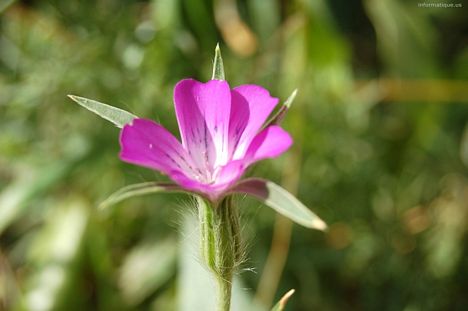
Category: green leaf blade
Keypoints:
(281, 201)
(117, 116)
(138, 190)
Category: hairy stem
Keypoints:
(220, 244)
(224, 294)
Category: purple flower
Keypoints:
(221, 136)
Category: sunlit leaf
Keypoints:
(5, 4)
(54, 254)
(280, 200)
(115, 115)
(283, 301)
(146, 268)
(139, 189)
(30, 185)
(218, 67)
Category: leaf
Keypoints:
(282, 303)
(115, 115)
(279, 115)
(31, 184)
(139, 189)
(146, 268)
(5, 4)
(55, 254)
(280, 200)
(218, 67)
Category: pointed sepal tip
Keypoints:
(218, 67)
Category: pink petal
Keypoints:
(188, 183)
(203, 111)
(227, 176)
(146, 143)
(269, 143)
(251, 105)
(230, 173)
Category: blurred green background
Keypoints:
(381, 153)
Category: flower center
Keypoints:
(206, 175)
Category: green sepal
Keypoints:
(281, 112)
(140, 189)
(115, 115)
(280, 200)
(218, 67)
(282, 303)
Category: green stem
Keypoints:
(220, 244)
(224, 294)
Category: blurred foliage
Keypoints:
(386, 169)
